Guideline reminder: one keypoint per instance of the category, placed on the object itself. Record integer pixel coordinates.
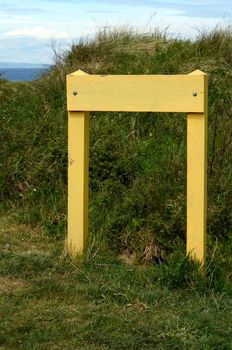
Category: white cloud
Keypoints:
(26, 29)
(38, 33)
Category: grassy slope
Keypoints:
(137, 206)
(50, 302)
(137, 160)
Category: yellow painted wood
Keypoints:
(197, 182)
(136, 93)
(79, 72)
(78, 168)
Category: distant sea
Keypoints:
(21, 74)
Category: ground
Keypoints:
(49, 301)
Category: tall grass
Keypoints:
(137, 160)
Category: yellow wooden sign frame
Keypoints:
(140, 93)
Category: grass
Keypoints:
(51, 302)
(137, 160)
(115, 298)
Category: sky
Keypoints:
(29, 29)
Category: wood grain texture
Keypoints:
(196, 185)
(78, 175)
(178, 93)
(136, 93)
(197, 126)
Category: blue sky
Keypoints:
(27, 28)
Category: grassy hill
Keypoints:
(137, 208)
(137, 160)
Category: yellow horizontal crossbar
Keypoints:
(136, 93)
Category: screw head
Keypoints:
(194, 93)
(74, 92)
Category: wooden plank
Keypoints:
(197, 186)
(197, 179)
(78, 168)
(197, 127)
(136, 93)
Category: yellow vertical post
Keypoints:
(78, 168)
(197, 179)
